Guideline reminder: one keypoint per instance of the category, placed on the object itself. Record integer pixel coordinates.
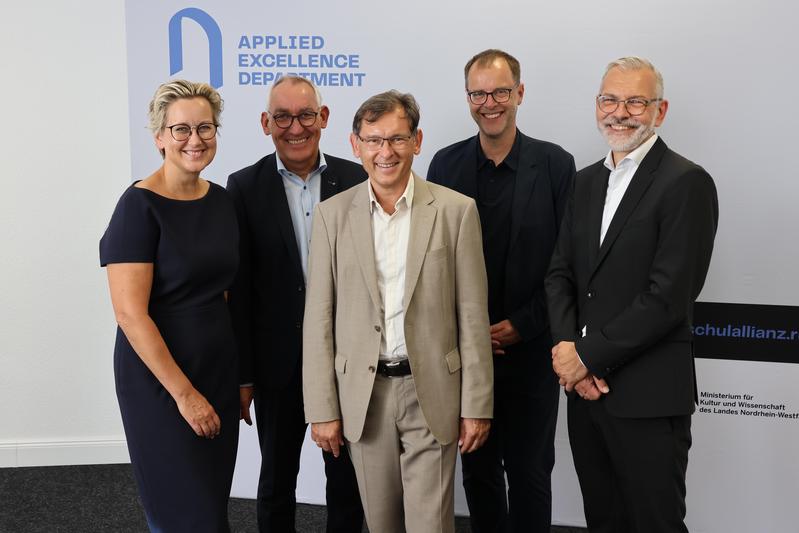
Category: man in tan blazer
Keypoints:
(397, 349)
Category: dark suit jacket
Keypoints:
(635, 293)
(267, 301)
(543, 181)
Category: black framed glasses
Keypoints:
(500, 95)
(181, 132)
(397, 142)
(635, 106)
(285, 120)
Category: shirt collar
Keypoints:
(406, 198)
(635, 157)
(511, 160)
(283, 171)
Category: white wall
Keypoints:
(65, 159)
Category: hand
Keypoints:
(567, 364)
(245, 399)
(503, 334)
(473, 434)
(200, 415)
(591, 387)
(327, 435)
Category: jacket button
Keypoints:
(300, 288)
(299, 325)
(377, 328)
(372, 369)
(590, 294)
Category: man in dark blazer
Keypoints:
(274, 199)
(520, 185)
(631, 259)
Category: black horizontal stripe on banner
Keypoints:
(746, 332)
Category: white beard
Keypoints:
(633, 141)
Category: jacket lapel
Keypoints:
(596, 206)
(363, 241)
(635, 191)
(278, 204)
(526, 177)
(330, 184)
(423, 216)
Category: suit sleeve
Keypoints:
(561, 286)
(318, 332)
(474, 338)
(532, 319)
(432, 171)
(687, 228)
(240, 297)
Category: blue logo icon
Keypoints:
(212, 31)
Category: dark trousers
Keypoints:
(281, 430)
(631, 470)
(521, 445)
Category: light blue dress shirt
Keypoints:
(302, 196)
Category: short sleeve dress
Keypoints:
(184, 480)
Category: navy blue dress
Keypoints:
(184, 480)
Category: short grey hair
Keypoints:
(636, 63)
(167, 93)
(381, 104)
(294, 80)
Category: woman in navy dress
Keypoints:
(171, 250)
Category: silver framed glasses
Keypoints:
(397, 142)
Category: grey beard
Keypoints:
(642, 133)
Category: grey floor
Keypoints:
(102, 499)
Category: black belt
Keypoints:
(394, 369)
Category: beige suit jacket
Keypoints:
(446, 320)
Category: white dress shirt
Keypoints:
(390, 233)
(620, 177)
(302, 196)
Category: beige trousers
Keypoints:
(405, 476)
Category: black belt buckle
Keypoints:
(394, 369)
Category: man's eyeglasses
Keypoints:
(285, 120)
(500, 95)
(397, 142)
(634, 106)
(181, 132)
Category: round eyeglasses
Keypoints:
(285, 120)
(634, 106)
(181, 132)
(500, 95)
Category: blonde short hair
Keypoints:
(169, 92)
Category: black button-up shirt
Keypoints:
(495, 186)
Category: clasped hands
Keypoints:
(574, 375)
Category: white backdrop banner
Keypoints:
(729, 78)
